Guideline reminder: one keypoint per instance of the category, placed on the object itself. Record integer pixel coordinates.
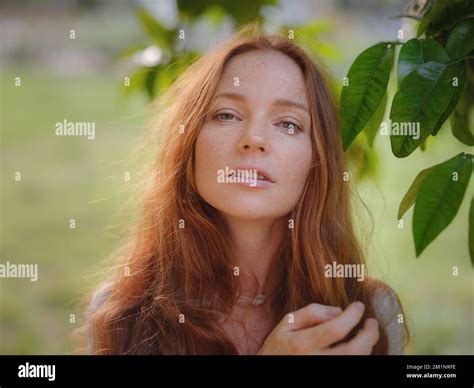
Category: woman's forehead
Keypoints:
(257, 71)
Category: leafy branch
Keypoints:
(435, 75)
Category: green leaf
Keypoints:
(215, 14)
(466, 102)
(423, 145)
(444, 15)
(410, 196)
(471, 231)
(137, 80)
(373, 125)
(460, 129)
(161, 35)
(417, 52)
(462, 118)
(192, 9)
(313, 29)
(241, 11)
(422, 98)
(368, 79)
(150, 82)
(132, 51)
(434, 13)
(461, 40)
(404, 15)
(456, 91)
(439, 199)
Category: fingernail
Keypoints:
(359, 305)
(333, 311)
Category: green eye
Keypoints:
(290, 126)
(225, 116)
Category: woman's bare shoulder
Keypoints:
(389, 312)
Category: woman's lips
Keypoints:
(257, 184)
(252, 177)
(255, 170)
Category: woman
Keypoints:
(246, 209)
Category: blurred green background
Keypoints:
(65, 178)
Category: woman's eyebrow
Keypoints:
(232, 96)
(278, 102)
(285, 102)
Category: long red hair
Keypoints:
(168, 270)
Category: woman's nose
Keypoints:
(254, 139)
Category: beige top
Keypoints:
(389, 313)
(386, 305)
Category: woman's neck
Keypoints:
(256, 243)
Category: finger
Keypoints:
(335, 329)
(361, 344)
(310, 315)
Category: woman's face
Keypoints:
(259, 123)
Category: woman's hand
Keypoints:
(312, 329)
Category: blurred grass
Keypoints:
(61, 178)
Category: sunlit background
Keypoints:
(82, 76)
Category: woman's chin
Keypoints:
(253, 211)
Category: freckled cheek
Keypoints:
(295, 166)
(211, 153)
